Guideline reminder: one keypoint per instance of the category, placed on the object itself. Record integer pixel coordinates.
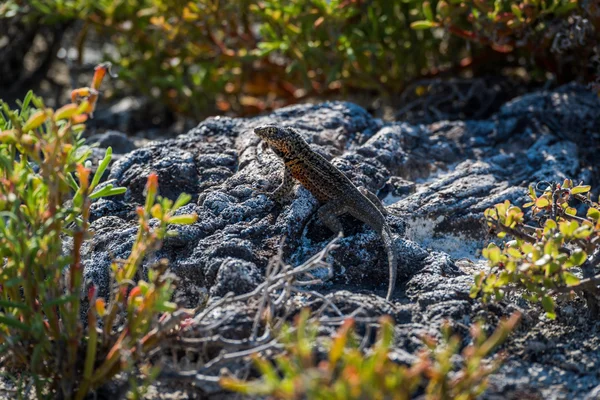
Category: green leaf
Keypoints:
(564, 8)
(267, 371)
(12, 282)
(570, 211)
(570, 279)
(542, 202)
(72, 182)
(7, 304)
(561, 258)
(236, 385)
(532, 192)
(502, 208)
(593, 213)
(264, 48)
(567, 228)
(185, 219)
(427, 11)
(577, 258)
(550, 224)
(14, 323)
(581, 189)
(171, 233)
(78, 199)
(552, 268)
(101, 168)
(492, 253)
(26, 101)
(443, 9)
(514, 252)
(423, 25)
(517, 11)
(108, 190)
(499, 293)
(181, 201)
(583, 232)
(474, 291)
(77, 129)
(504, 278)
(511, 266)
(166, 306)
(61, 300)
(548, 305)
(527, 248)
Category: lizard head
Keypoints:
(282, 140)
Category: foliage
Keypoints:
(347, 372)
(541, 259)
(46, 190)
(539, 32)
(502, 24)
(245, 56)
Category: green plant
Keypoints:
(502, 24)
(244, 57)
(540, 260)
(538, 33)
(42, 331)
(346, 371)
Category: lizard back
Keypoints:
(315, 173)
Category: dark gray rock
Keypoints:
(119, 142)
(133, 114)
(437, 180)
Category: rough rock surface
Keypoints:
(436, 179)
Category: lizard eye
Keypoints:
(264, 146)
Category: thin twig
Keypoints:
(585, 284)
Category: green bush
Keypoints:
(504, 25)
(46, 189)
(347, 371)
(245, 56)
(540, 260)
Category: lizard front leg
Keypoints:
(284, 188)
(328, 214)
(374, 199)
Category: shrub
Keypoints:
(348, 372)
(46, 189)
(540, 260)
(202, 56)
(503, 25)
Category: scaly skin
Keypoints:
(337, 194)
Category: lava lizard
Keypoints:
(337, 194)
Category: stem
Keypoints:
(90, 357)
(113, 356)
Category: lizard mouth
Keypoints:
(260, 131)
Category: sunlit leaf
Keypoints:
(548, 305)
(423, 25)
(593, 213)
(542, 202)
(570, 279)
(577, 258)
(581, 189)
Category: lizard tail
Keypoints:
(390, 248)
